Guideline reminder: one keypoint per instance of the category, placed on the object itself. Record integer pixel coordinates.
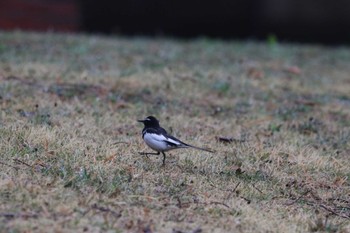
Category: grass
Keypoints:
(69, 139)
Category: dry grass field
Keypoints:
(277, 116)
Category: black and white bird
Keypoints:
(159, 140)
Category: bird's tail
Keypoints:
(199, 148)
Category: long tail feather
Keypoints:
(199, 148)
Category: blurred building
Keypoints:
(322, 21)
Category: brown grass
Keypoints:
(70, 141)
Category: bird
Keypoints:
(159, 140)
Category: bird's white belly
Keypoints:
(156, 142)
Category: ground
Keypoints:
(277, 116)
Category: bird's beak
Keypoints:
(141, 121)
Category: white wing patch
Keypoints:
(161, 143)
(173, 141)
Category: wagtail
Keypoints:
(159, 140)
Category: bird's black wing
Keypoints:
(159, 131)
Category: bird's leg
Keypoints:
(145, 153)
(163, 158)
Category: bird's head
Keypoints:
(150, 121)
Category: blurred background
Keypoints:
(305, 21)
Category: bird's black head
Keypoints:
(150, 121)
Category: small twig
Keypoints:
(257, 189)
(212, 203)
(19, 161)
(333, 212)
(218, 203)
(232, 191)
(225, 190)
(9, 165)
(181, 204)
(18, 215)
(236, 186)
(301, 196)
(230, 140)
(328, 209)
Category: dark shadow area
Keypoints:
(308, 21)
(321, 21)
